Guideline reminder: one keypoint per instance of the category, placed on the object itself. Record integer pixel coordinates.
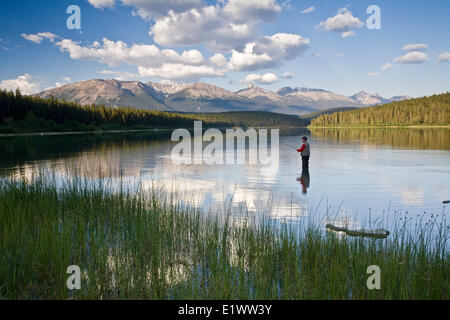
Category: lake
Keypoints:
(358, 174)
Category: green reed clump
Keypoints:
(135, 245)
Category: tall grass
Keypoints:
(135, 245)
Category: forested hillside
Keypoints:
(20, 113)
(433, 110)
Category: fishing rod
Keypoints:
(289, 145)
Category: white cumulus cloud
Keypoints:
(157, 8)
(343, 22)
(150, 60)
(64, 81)
(39, 37)
(387, 66)
(347, 34)
(373, 74)
(25, 83)
(268, 52)
(114, 53)
(119, 75)
(268, 78)
(444, 57)
(202, 26)
(242, 11)
(225, 26)
(413, 57)
(173, 71)
(100, 4)
(415, 47)
(288, 75)
(219, 60)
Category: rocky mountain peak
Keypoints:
(204, 97)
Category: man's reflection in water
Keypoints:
(304, 180)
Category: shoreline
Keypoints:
(382, 127)
(43, 134)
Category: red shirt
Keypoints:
(302, 148)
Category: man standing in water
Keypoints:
(305, 152)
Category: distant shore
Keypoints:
(381, 127)
(42, 134)
(38, 134)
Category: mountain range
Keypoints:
(375, 99)
(203, 97)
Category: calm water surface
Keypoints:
(353, 172)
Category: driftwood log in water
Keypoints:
(378, 233)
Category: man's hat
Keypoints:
(304, 138)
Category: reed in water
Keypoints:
(131, 244)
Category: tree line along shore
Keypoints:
(21, 114)
(425, 111)
(30, 114)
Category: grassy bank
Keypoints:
(135, 245)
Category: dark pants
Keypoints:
(305, 161)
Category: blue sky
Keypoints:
(267, 42)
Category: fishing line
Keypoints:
(289, 145)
